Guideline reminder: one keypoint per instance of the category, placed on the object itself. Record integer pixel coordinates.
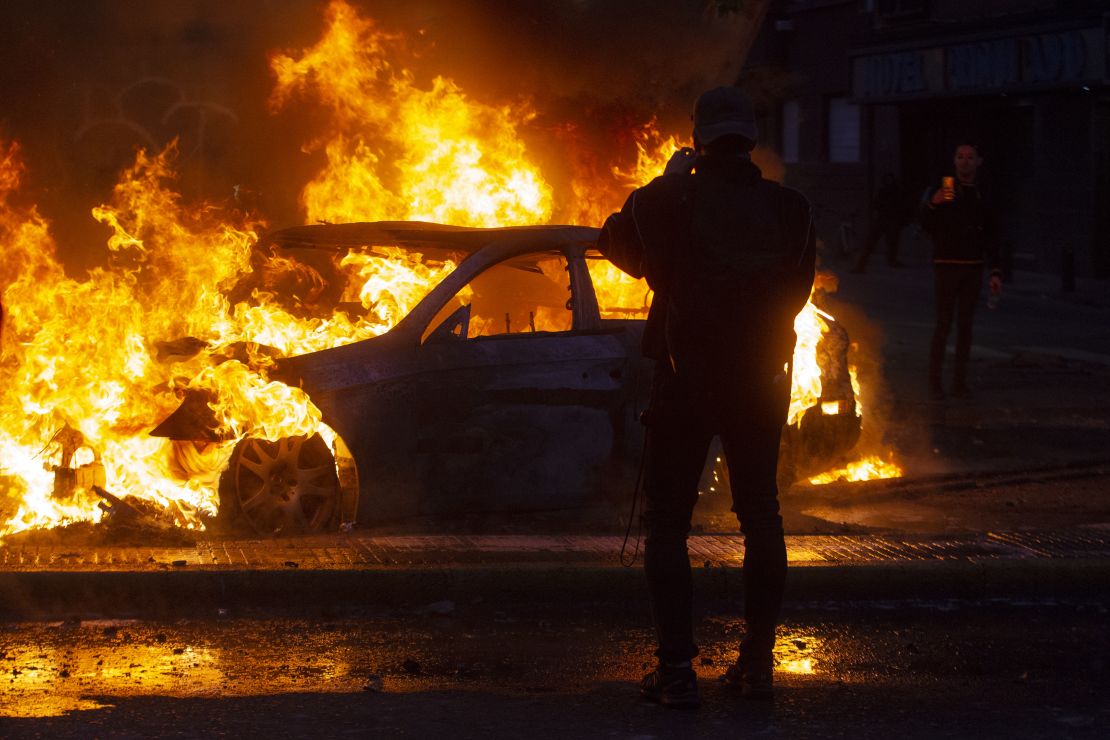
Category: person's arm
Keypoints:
(929, 213)
(992, 246)
(620, 240)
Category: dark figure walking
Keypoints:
(889, 215)
(961, 221)
(730, 257)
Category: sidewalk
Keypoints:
(322, 575)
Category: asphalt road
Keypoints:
(864, 670)
(1040, 370)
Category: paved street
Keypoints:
(1040, 368)
(915, 668)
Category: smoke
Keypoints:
(653, 55)
(86, 84)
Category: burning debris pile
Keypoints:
(187, 304)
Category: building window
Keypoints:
(844, 118)
(791, 123)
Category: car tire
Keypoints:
(285, 487)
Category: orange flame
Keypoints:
(402, 151)
(80, 354)
(596, 195)
(871, 467)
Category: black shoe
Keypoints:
(753, 676)
(960, 390)
(676, 688)
(936, 393)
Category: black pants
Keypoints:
(748, 416)
(957, 291)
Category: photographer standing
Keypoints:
(730, 257)
(960, 219)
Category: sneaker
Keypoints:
(754, 678)
(676, 688)
(960, 390)
(936, 393)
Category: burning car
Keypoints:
(515, 384)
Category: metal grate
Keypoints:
(353, 552)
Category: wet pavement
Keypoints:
(912, 668)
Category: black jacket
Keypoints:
(965, 230)
(679, 230)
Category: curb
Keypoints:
(51, 595)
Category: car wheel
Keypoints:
(285, 487)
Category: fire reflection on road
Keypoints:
(798, 652)
(76, 667)
(53, 669)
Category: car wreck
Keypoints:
(508, 388)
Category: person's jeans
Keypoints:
(957, 291)
(682, 422)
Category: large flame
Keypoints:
(403, 150)
(805, 388)
(598, 190)
(79, 355)
(91, 364)
(94, 364)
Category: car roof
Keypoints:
(425, 235)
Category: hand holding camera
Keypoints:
(681, 162)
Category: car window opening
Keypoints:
(619, 296)
(521, 296)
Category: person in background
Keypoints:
(730, 256)
(960, 218)
(889, 215)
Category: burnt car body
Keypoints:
(504, 389)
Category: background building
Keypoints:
(853, 89)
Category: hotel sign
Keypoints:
(996, 65)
